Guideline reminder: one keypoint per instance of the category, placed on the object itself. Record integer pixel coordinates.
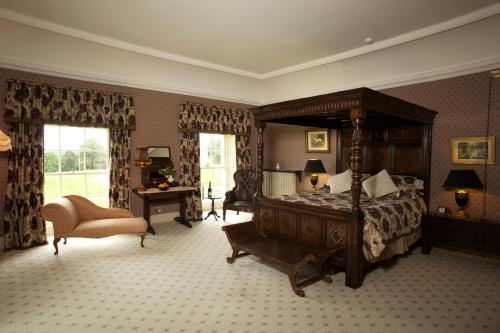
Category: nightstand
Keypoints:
(469, 235)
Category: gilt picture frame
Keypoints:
(318, 140)
(473, 150)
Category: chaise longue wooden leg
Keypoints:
(143, 235)
(65, 241)
(292, 276)
(56, 240)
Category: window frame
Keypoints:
(85, 173)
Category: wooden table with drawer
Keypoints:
(172, 195)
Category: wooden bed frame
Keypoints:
(374, 132)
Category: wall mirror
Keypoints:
(160, 159)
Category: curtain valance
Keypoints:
(42, 103)
(212, 119)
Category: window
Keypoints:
(217, 163)
(76, 161)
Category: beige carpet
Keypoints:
(181, 283)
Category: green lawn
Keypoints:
(97, 187)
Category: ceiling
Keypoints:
(254, 37)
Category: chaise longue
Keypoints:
(75, 216)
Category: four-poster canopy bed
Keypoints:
(374, 132)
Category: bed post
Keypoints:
(260, 126)
(354, 271)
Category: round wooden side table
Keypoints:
(213, 212)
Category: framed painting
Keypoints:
(473, 150)
(317, 141)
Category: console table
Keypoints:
(172, 195)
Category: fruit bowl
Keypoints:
(163, 187)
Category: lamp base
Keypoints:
(314, 181)
(459, 214)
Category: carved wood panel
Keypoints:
(310, 230)
(346, 158)
(397, 149)
(376, 159)
(408, 161)
(336, 234)
(405, 132)
(267, 220)
(287, 223)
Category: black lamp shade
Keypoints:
(463, 179)
(314, 166)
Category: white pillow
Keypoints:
(379, 185)
(340, 182)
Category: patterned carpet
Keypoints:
(181, 283)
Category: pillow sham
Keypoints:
(340, 182)
(379, 185)
(405, 182)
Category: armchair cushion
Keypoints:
(110, 227)
(241, 205)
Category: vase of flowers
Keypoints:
(168, 173)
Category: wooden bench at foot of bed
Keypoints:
(292, 256)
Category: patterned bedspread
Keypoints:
(385, 218)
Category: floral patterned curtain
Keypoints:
(45, 104)
(23, 223)
(212, 119)
(190, 172)
(243, 153)
(28, 107)
(119, 140)
(196, 118)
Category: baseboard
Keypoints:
(163, 218)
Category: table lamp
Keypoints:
(314, 166)
(460, 180)
(143, 160)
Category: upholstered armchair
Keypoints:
(75, 216)
(240, 198)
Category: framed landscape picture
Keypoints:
(473, 150)
(318, 141)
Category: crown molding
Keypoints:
(456, 22)
(426, 76)
(119, 44)
(71, 73)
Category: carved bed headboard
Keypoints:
(401, 150)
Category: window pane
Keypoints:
(204, 138)
(70, 161)
(96, 135)
(71, 138)
(51, 188)
(73, 184)
(214, 158)
(70, 166)
(100, 200)
(51, 161)
(95, 160)
(204, 158)
(97, 184)
(51, 137)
